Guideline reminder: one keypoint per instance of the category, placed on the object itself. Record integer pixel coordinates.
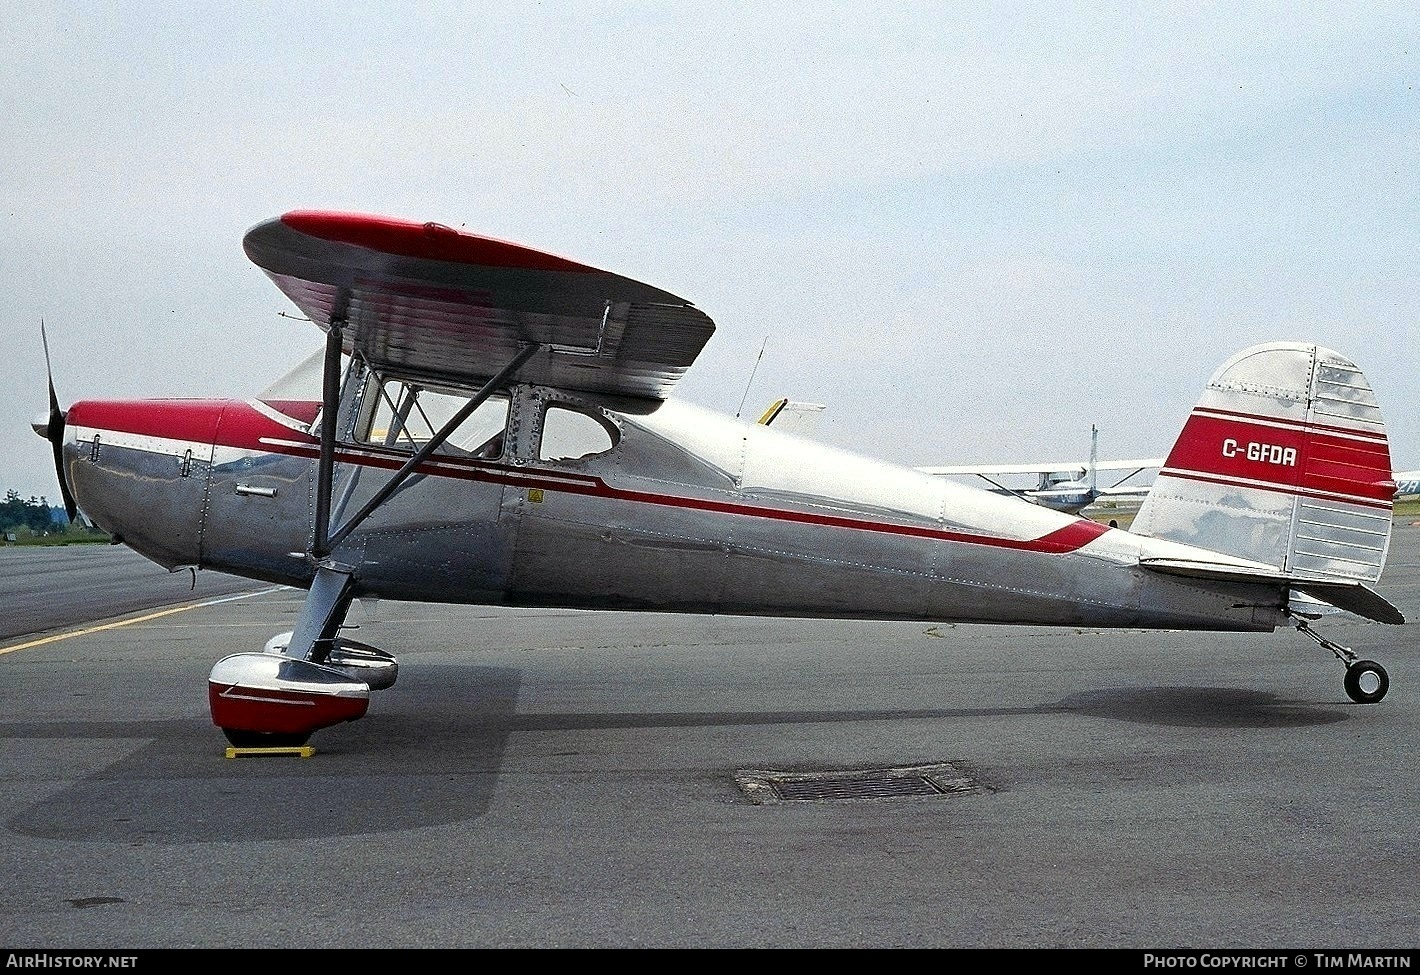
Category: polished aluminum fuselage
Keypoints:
(690, 511)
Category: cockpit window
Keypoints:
(406, 416)
(569, 433)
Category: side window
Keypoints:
(569, 433)
(406, 416)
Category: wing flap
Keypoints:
(438, 303)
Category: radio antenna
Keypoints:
(751, 377)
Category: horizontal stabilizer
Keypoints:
(1353, 597)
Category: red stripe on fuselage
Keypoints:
(1281, 455)
(244, 428)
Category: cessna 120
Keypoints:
(493, 425)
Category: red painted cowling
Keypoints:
(267, 693)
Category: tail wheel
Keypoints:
(1366, 682)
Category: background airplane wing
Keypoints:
(428, 301)
(792, 416)
(1079, 467)
(1125, 491)
(1068, 485)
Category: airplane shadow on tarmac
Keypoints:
(439, 762)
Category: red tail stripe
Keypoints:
(1294, 458)
(1344, 468)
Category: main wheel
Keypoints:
(264, 739)
(1366, 682)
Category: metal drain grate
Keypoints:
(856, 784)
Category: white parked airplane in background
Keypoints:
(1069, 486)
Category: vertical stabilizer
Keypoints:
(1094, 460)
(1284, 461)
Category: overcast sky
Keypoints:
(971, 230)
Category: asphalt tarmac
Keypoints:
(544, 779)
(69, 585)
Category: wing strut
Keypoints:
(525, 352)
(331, 590)
(330, 403)
(1001, 488)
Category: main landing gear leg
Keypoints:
(317, 679)
(1366, 681)
(322, 615)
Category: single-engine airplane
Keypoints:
(492, 424)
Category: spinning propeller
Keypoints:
(52, 429)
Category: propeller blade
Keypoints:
(54, 432)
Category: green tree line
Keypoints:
(34, 521)
(32, 513)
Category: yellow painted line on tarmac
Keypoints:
(55, 638)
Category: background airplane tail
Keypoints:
(1284, 462)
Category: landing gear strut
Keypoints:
(315, 678)
(280, 698)
(1366, 681)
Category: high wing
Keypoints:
(428, 301)
(1125, 491)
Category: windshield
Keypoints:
(297, 394)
